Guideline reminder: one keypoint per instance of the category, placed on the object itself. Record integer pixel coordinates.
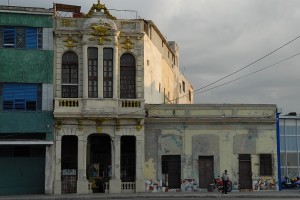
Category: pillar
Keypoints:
(140, 160)
(85, 83)
(116, 71)
(57, 182)
(115, 181)
(82, 182)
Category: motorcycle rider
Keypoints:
(225, 179)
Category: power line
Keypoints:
(195, 91)
(249, 64)
(249, 73)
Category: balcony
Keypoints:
(95, 108)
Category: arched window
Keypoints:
(127, 76)
(69, 79)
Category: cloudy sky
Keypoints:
(232, 51)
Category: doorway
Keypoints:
(69, 159)
(171, 171)
(99, 162)
(128, 154)
(245, 173)
(206, 170)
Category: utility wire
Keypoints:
(297, 54)
(201, 88)
(198, 90)
(249, 64)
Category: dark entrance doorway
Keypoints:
(171, 171)
(99, 161)
(206, 170)
(128, 159)
(69, 159)
(245, 173)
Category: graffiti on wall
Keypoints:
(187, 185)
(264, 184)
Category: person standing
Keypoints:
(225, 179)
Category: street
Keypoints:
(266, 195)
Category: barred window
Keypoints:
(265, 164)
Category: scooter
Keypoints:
(288, 183)
(218, 183)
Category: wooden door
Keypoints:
(206, 170)
(245, 173)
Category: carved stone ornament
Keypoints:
(70, 42)
(99, 8)
(68, 23)
(128, 44)
(101, 31)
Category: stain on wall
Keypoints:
(244, 144)
(170, 144)
(150, 169)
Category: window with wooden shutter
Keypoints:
(19, 97)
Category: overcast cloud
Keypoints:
(219, 37)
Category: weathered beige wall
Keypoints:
(223, 131)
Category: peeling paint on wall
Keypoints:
(171, 143)
(150, 171)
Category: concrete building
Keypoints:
(26, 100)
(290, 145)
(188, 145)
(105, 71)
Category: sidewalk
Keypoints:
(257, 194)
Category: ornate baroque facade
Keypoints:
(105, 71)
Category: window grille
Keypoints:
(265, 164)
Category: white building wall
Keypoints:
(152, 73)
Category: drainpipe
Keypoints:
(278, 111)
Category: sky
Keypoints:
(232, 51)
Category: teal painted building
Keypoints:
(26, 100)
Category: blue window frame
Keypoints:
(19, 97)
(9, 36)
(21, 37)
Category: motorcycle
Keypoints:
(218, 183)
(288, 183)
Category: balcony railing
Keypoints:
(128, 187)
(68, 103)
(78, 107)
(131, 104)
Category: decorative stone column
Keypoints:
(82, 182)
(116, 71)
(49, 169)
(85, 84)
(140, 160)
(57, 182)
(115, 181)
(100, 72)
